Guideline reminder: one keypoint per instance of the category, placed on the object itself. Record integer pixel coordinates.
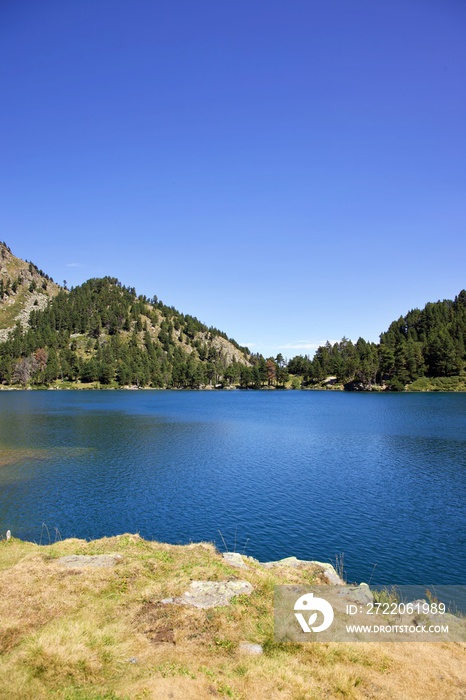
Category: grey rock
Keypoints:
(210, 594)
(234, 559)
(361, 594)
(288, 561)
(76, 561)
(253, 649)
(329, 571)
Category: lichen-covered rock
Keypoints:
(234, 559)
(210, 594)
(330, 573)
(328, 570)
(358, 594)
(287, 561)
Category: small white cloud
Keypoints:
(299, 345)
(74, 265)
(305, 344)
(248, 345)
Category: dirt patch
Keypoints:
(152, 622)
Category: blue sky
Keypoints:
(288, 172)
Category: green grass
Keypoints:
(455, 383)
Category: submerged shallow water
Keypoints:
(379, 478)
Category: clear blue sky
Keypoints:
(289, 172)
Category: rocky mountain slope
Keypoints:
(23, 287)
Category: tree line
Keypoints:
(428, 342)
(104, 332)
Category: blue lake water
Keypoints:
(379, 478)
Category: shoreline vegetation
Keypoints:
(455, 384)
(102, 620)
(102, 334)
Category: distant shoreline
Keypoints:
(377, 390)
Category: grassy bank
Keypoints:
(102, 634)
(457, 383)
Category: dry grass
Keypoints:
(102, 634)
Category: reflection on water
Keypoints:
(381, 478)
(12, 455)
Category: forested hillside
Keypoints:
(102, 332)
(427, 343)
